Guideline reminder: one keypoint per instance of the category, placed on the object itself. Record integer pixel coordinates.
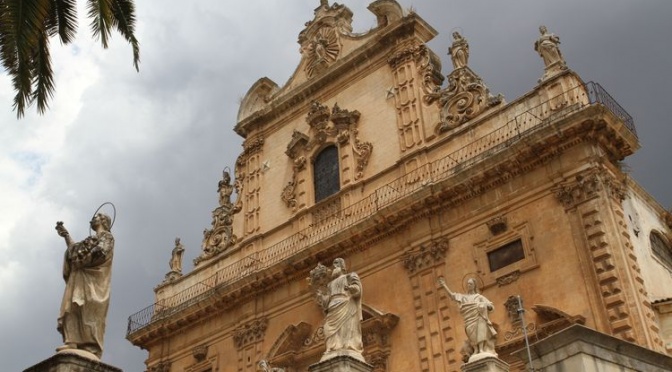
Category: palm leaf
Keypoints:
(123, 19)
(100, 13)
(21, 36)
(44, 75)
(63, 20)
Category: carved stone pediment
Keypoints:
(299, 141)
(321, 39)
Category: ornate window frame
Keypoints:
(509, 273)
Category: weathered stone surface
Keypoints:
(487, 364)
(341, 363)
(71, 361)
(579, 348)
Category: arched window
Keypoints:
(661, 249)
(325, 172)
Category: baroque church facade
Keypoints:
(369, 155)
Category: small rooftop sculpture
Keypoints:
(548, 48)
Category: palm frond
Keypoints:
(100, 13)
(123, 19)
(44, 74)
(21, 36)
(62, 20)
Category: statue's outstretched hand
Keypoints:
(61, 230)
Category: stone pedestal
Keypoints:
(71, 362)
(487, 364)
(341, 363)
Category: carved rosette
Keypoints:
(250, 332)
(321, 39)
(426, 256)
(334, 125)
(465, 98)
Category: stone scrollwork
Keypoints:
(466, 96)
(220, 237)
(250, 332)
(425, 256)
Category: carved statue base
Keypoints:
(341, 363)
(486, 364)
(67, 361)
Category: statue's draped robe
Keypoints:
(474, 310)
(342, 325)
(87, 295)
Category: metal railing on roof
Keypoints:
(520, 126)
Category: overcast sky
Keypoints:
(154, 143)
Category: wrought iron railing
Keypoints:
(520, 126)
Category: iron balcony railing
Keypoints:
(520, 126)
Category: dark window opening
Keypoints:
(506, 255)
(661, 249)
(325, 170)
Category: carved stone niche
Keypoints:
(299, 346)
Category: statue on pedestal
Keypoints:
(176, 257)
(474, 308)
(459, 51)
(548, 48)
(341, 300)
(87, 269)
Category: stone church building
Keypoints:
(370, 153)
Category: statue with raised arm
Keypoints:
(341, 300)
(474, 308)
(87, 269)
(459, 51)
(548, 48)
(176, 257)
